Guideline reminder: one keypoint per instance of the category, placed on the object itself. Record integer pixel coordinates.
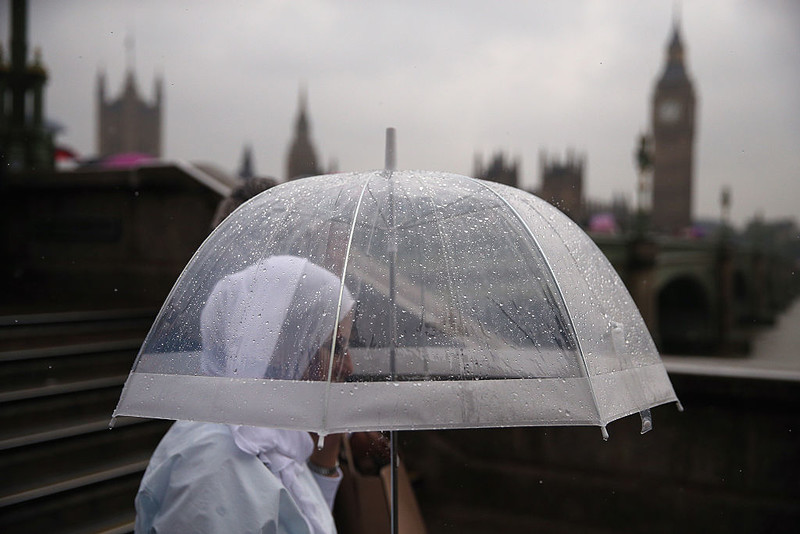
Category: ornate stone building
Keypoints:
(673, 123)
(128, 123)
(498, 170)
(562, 183)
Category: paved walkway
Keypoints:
(775, 354)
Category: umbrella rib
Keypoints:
(635, 384)
(558, 287)
(339, 307)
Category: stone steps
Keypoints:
(60, 378)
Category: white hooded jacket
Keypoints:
(267, 321)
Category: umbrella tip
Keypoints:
(604, 431)
(391, 149)
(647, 421)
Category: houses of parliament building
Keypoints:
(131, 124)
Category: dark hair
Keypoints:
(250, 188)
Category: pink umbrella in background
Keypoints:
(126, 159)
(603, 223)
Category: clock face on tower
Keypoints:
(669, 111)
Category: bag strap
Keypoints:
(347, 451)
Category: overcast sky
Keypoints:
(454, 78)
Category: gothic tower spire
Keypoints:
(246, 169)
(302, 160)
(302, 120)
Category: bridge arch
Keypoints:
(685, 312)
(742, 296)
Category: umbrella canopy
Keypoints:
(464, 303)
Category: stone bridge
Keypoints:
(701, 296)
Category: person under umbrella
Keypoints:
(480, 306)
(265, 321)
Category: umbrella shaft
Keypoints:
(395, 459)
(392, 320)
(392, 250)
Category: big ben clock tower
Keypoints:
(673, 120)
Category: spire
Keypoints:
(130, 52)
(19, 35)
(675, 68)
(246, 169)
(302, 159)
(676, 15)
(130, 63)
(675, 49)
(301, 125)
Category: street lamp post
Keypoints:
(644, 190)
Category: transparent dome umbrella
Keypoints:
(461, 303)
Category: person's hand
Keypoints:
(371, 451)
(328, 456)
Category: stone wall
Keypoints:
(728, 463)
(98, 240)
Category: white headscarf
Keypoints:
(285, 453)
(268, 321)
